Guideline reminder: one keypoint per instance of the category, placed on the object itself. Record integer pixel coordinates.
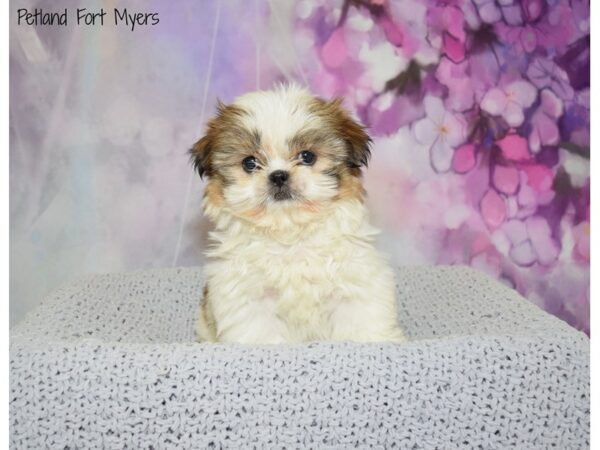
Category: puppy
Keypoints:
(292, 256)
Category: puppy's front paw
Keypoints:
(206, 330)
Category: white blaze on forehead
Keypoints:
(278, 164)
(278, 116)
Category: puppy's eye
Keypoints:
(250, 164)
(307, 157)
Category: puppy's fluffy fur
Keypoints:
(292, 258)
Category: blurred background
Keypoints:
(479, 110)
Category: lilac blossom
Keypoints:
(441, 131)
(544, 73)
(510, 101)
(544, 121)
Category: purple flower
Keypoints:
(492, 11)
(410, 20)
(447, 23)
(510, 101)
(454, 76)
(442, 131)
(544, 122)
(544, 73)
(464, 158)
(493, 208)
(533, 26)
(528, 241)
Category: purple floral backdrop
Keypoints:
(479, 110)
(495, 94)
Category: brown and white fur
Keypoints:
(291, 261)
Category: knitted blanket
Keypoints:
(110, 361)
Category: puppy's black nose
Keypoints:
(279, 177)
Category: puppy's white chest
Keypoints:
(302, 283)
(327, 285)
(300, 271)
(299, 284)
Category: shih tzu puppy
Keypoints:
(292, 256)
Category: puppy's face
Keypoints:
(281, 155)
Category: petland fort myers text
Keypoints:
(87, 17)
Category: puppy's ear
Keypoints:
(354, 134)
(203, 150)
(359, 144)
(201, 155)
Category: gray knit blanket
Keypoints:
(110, 361)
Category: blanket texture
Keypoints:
(110, 361)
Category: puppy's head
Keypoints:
(281, 156)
